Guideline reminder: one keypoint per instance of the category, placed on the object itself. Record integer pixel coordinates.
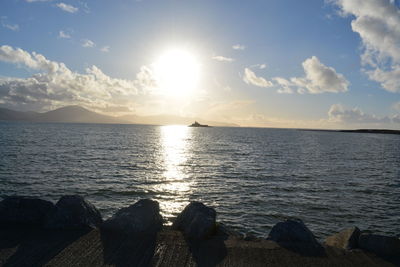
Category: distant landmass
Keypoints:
(374, 131)
(78, 114)
(377, 131)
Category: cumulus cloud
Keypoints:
(88, 43)
(67, 8)
(378, 24)
(284, 85)
(238, 47)
(63, 35)
(251, 78)
(338, 113)
(223, 59)
(56, 85)
(318, 78)
(105, 49)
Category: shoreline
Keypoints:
(72, 232)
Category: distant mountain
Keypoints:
(72, 114)
(78, 114)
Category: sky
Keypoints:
(331, 64)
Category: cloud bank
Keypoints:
(340, 114)
(378, 24)
(318, 79)
(55, 85)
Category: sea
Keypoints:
(252, 177)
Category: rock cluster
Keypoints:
(70, 212)
(294, 235)
(353, 238)
(24, 210)
(197, 222)
(345, 239)
(73, 212)
(143, 217)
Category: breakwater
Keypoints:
(72, 232)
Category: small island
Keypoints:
(196, 124)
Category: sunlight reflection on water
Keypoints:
(175, 143)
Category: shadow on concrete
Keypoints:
(209, 252)
(35, 246)
(128, 249)
(303, 249)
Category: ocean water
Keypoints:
(253, 177)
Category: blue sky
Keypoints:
(312, 64)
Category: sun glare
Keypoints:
(177, 72)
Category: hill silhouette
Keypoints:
(78, 114)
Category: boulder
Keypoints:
(345, 239)
(73, 212)
(24, 210)
(379, 244)
(196, 221)
(294, 235)
(141, 218)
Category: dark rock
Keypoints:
(224, 230)
(250, 237)
(379, 244)
(294, 235)
(24, 210)
(143, 217)
(74, 212)
(196, 221)
(346, 239)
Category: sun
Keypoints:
(177, 72)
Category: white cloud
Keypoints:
(63, 35)
(88, 43)
(259, 66)
(238, 47)
(318, 79)
(355, 116)
(13, 27)
(223, 59)
(32, 1)
(56, 85)
(105, 49)
(284, 85)
(251, 78)
(67, 8)
(378, 24)
(7, 25)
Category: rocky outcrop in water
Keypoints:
(73, 212)
(293, 234)
(141, 217)
(24, 210)
(345, 239)
(196, 221)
